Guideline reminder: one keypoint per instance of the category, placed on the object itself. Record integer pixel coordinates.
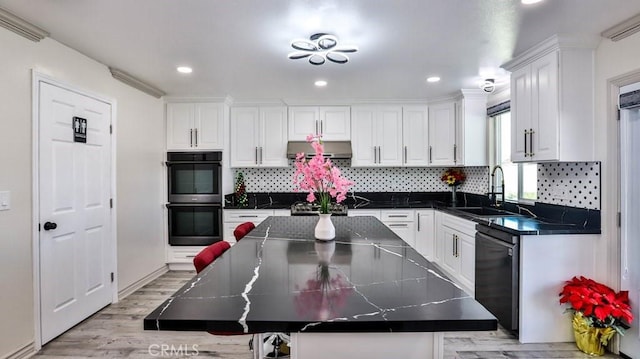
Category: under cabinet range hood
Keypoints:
(332, 149)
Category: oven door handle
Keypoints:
(177, 205)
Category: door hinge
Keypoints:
(110, 202)
(112, 277)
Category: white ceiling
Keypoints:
(239, 48)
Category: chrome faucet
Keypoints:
(493, 195)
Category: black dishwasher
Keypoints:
(497, 274)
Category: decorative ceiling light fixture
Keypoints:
(320, 48)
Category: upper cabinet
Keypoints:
(332, 122)
(471, 129)
(195, 126)
(442, 134)
(552, 101)
(415, 135)
(377, 136)
(259, 136)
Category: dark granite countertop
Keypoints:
(273, 281)
(538, 219)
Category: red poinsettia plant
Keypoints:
(600, 305)
(453, 177)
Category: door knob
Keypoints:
(49, 226)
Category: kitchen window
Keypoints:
(520, 179)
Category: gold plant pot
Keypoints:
(590, 340)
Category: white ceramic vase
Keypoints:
(325, 231)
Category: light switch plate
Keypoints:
(5, 200)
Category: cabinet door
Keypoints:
(335, 123)
(273, 144)
(180, 126)
(415, 135)
(450, 259)
(245, 129)
(425, 234)
(303, 121)
(520, 113)
(363, 139)
(364, 212)
(467, 257)
(209, 126)
(389, 136)
(442, 134)
(544, 112)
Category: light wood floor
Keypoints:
(116, 332)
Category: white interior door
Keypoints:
(74, 192)
(630, 226)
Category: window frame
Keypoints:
(497, 160)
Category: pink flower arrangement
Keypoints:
(319, 176)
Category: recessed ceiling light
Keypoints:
(433, 79)
(320, 83)
(184, 69)
(529, 2)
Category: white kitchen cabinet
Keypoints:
(377, 136)
(364, 212)
(552, 94)
(231, 218)
(442, 134)
(425, 233)
(259, 137)
(401, 222)
(332, 122)
(195, 126)
(471, 129)
(415, 136)
(456, 238)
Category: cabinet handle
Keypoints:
(256, 154)
(375, 155)
(430, 151)
(397, 216)
(379, 154)
(248, 216)
(526, 132)
(260, 154)
(321, 128)
(397, 225)
(455, 153)
(405, 154)
(457, 249)
(453, 245)
(196, 137)
(191, 137)
(418, 223)
(316, 127)
(531, 142)
(190, 256)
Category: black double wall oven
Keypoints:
(195, 198)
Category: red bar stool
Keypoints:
(243, 229)
(209, 254)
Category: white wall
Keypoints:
(613, 59)
(140, 150)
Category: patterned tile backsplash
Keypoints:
(573, 184)
(392, 179)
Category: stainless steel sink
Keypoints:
(486, 212)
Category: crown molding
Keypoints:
(553, 43)
(136, 83)
(227, 100)
(21, 26)
(623, 29)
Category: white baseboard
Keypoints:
(142, 282)
(26, 351)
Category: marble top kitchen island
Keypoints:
(367, 282)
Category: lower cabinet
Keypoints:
(400, 221)
(425, 240)
(455, 243)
